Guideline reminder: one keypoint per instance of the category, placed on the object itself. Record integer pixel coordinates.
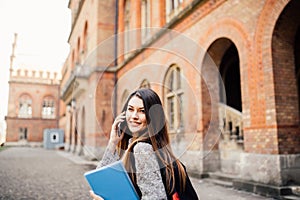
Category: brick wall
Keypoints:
(248, 25)
(37, 89)
(262, 35)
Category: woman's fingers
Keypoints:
(94, 196)
(114, 137)
(120, 118)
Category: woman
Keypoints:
(139, 136)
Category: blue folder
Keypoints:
(112, 182)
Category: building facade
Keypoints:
(226, 71)
(33, 105)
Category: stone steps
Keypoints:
(295, 194)
(220, 182)
(290, 197)
(227, 180)
(221, 179)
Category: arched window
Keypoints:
(85, 39)
(173, 99)
(145, 84)
(145, 20)
(126, 27)
(78, 59)
(73, 60)
(25, 106)
(48, 108)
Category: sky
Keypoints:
(43, 28)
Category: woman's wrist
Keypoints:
(111, 146)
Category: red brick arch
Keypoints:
(237, 33)
(262, 57)
(275, 60)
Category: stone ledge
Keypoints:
(197, 175)
(262, 189)
(290, 197)
(222, 176)
(219, 182)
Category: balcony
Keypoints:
(76, 84)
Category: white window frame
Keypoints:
(174, 100)
(145, 20)
(126, 29)
(25, 107)
(172, 8)
(48, 108)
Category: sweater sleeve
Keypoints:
(148, 175)
(108, 158)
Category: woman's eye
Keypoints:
(142, 111)
(130, 109)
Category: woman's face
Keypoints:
(135, 115)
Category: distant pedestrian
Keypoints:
(140, 138)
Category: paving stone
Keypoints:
(36, 173)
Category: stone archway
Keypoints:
(82, 132)
(297, 62)
(230, 73)
(224, 54)
(285, 59)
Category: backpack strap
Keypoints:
(188, 193)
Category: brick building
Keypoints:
(226, 71)
(33, 104)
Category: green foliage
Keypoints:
(3, 148)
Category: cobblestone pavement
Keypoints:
(36, 173)
(209, 191)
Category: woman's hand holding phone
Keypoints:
(115, 138)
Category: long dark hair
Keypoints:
(157, 135)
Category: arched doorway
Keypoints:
(75, 131)
(297, 62)
(230, 73)
(82, 132)
(224, 54)
(286, 70)
(70, 130)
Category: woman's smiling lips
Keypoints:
(135, 124)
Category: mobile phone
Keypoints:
(121, 128)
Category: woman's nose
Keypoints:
(134, 114)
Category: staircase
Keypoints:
(294, 195)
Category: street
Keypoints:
(36, 173)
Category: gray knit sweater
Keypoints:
(148, 174)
